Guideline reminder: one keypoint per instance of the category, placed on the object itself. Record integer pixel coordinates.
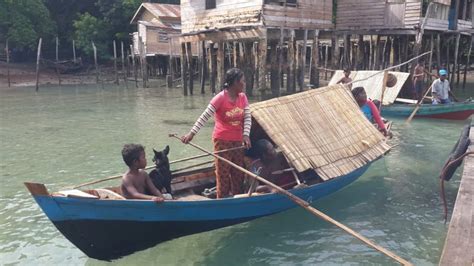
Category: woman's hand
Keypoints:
(247, 143)
(157, 199)
(187, 138)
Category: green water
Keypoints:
(68, 135)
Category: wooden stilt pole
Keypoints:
(392, 51)
(274, 75)
(184, 69)
(57, 60)
(326, 62)
(189, 55)
(306, 206)
(95, 63)
(170, 76)
(132, 49)
(38, 57)
(314, 71)
(115, 63)
(7, 52)
(456, 66)
(262, 65)
(384, 52)
(220, 65)
(371, 54)
(290, 88)
(303, 60)
(213, 67)
(377, 57)
(280, 59)
(361, 52)
(234, 53)
(249, 64)
(430, 66)
(124, 73)
(438, 50)
(74, 51)
(468, 57)
(203, 66)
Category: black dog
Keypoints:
(161, 175)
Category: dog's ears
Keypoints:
(155, 151)
(167, 150)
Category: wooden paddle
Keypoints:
(153, 166)
(418, 105)
(303, 204)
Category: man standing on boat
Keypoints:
(440, 88)
(418, 79)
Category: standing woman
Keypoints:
(231, 112)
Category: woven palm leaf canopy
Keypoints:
(373, 85)
(321, 129)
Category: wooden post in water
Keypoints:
(57, 60)
(234, 53)
(303, 60)
(438, 50)
(290, 87)
(115, 63)
(220, 65)
(384, 51)
(262, 65)
(456, 66)
(134, 66)
(326, 62)
(280, 59)
(213, 68)
(371, 53)
(170, 76)
(38, 56)
(392, 51)
(74, 51)
(468, 56)
(377, 53)
(360, 53)
(447, 57)
(430, 66)
(95, 63)
(7, 51)
(124, 73)
(274, 75)
(248, 63)
(189, 56)
(203, 66)
(184, 69)
(314, 71)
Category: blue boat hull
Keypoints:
(109, 229)
(453, 111)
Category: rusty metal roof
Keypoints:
(159, 11)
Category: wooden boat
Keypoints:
(453, 111)
(105, 226)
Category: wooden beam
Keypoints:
(38, 57)
(274, 73)
(456, 53)
(303, 60)
(189, 56)
(249, 66)
(7, 51)
(184, 69)
(218, 36)
(203, 68)
(213, 68)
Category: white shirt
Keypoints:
(441, 88)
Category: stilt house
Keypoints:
(250, 34)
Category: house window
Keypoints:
(163, 37)
(210, 4)
(292, 3)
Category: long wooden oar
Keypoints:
(153, 166)
(305, 205)
(418, 104)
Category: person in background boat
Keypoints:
(346, 79)
(270, 165)
(136, 182)
(231, 112)
(440, 89)
(369, 109)
(418, 80)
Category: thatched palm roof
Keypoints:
(321, 129)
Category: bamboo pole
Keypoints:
(213, 68)
(95, 63)
(57, 60)
(306, 206)
(274, 74)
(38, 56)
(7, 51)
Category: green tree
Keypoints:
(23, 22)
(88, 28)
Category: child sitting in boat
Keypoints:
(135, 182)
(270, 165)
(369, 109)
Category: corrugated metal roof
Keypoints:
(159, 11)
(373, 85)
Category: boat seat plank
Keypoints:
(75, 193)
(108, 194)
(403, 100)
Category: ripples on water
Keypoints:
(72, 134)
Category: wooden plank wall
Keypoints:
(155, 46)
(308, 14)
(228, 13)
(412, 13)
(360, 14)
